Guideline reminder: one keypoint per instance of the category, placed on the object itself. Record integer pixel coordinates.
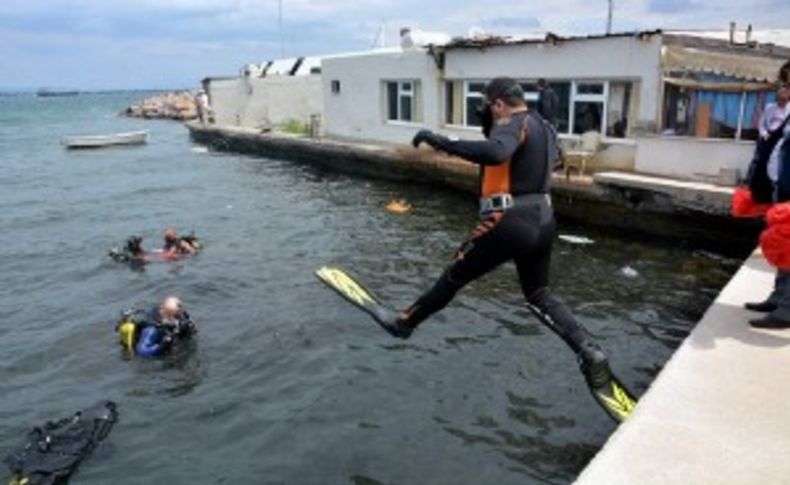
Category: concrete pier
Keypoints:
(719, 410)
(652, 206)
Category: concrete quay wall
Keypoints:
(652, 207)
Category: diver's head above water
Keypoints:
(171, 308)
(171, 236)
(134, 245)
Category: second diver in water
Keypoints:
(175, 247)
(154, 332)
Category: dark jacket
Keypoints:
(547, 105)
(783, 183)
(762, 188)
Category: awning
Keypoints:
(727, 87)
(761, 69)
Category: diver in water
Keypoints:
(154, 332)
(176, 245)
(516, 162)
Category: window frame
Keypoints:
(402, 92)
(577, 97)
(573, 97)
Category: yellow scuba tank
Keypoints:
(127, 331)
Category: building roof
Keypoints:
(541, 38)
(780, 37)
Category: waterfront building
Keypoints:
(680, 104)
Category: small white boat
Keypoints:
(98, 141)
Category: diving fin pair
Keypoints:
(607, 390)
(365, 300)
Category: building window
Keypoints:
(473, 102)
(617, 109)
(335, 87)
(582, 105)
(588, 103)
(531, 94)
(402, 100)
(563, 91)
(708, 113)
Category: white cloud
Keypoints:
(216, 36)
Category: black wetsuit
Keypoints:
(515, 159)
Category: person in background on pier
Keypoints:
(775, 113)
(547, 102)
(203, 108)
(777, 306)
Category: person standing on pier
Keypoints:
(204, 110)
(774, 114)
(777, 305)
(547, 102)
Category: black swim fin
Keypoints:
(354, 292)
(54, 451)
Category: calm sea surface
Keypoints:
(286, 383)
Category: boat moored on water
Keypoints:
(99, 141)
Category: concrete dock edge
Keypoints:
(718, 411)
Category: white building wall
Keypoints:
(692, 158)
(611, 58)
(258, 102)
(359, 110)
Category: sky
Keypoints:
(153, 44)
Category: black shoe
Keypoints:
(595, 366)
(389, 320)
(766, 306)
(770, 322)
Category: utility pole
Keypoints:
(280, 25)
(609, 19)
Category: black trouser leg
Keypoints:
(476, 257)
(533, 272)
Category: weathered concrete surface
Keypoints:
(637, 208)
(718, 412)
(693, 196)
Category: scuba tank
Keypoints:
(127, 331)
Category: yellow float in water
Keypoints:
(399, 206)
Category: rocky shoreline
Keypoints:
(179, 105)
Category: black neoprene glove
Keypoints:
(427, 136)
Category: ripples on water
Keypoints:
(287, 383)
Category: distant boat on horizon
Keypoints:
(47, 93)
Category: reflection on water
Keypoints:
(286, 382)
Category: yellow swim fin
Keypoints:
(347, 287)
(615, 399)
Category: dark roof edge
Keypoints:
(550, 38)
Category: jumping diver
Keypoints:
(516, 162)
(154, 332)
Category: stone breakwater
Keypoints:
(175, 106)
